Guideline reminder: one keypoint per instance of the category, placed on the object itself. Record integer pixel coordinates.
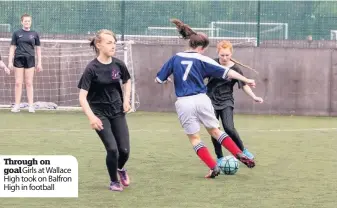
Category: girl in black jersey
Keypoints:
(22, 58)
(220, 92)
(4, 67)
(105, 105)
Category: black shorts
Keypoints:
(24, 62)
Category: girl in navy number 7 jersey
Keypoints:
(193, 106)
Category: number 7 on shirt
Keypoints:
(188, 68)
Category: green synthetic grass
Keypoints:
(296, 162)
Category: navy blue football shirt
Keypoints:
(189, 70)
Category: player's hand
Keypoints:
(7, 71)
(251, 83)
(10, 66)
(39, 68)
(126, 107)
(2, 65)
(258, 99)
(169, 79)
(96, 123)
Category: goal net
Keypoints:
(268, 31)
(5, 27)
(63, 62)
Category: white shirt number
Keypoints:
(188, 68)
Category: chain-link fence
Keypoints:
(265, 23)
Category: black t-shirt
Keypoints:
(220, 91)
(25, 41)
(103, 83)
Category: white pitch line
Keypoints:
(167, 130)
(289, 130)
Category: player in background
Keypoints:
(22, 49)
(193, 106)
(4, 67)
(102, 100)
(220, 91)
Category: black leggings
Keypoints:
(115, 137)
(226, 116)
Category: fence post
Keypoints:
(331, 84)
(122, 19)
(258, 23)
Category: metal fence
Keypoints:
(273, 22)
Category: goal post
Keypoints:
(169, 35)
(333, 34)
(270, 27)
(172, 31)
(63, 62)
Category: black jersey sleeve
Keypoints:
(37, 40)
(14, 39)
(125, 75)
(238, 70)
(86, 79)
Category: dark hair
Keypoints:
(98, 38)
(25, 15)
(195, 38)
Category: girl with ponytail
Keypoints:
(193, 106)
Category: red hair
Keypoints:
(224, 45)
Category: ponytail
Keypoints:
(186, 32)
(241, 64)
(93, 40)
(93, 44)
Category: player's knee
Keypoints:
(112, 152)
(214, 132)
(29, 83)
(124, 152)
(18, 83)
